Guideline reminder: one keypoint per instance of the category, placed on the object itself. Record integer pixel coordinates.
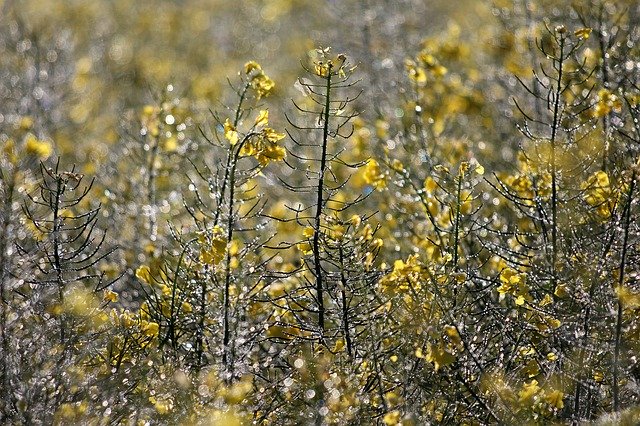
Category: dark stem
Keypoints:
(345, 305)
(319, 207)
(554, 183)
(621, 280)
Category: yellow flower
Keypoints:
(308, 232)
(230, 132)
(305, 248)
(391, 418)
(10, 150)
(262, 119)
(110, 296)
(39, 148)
(323, 69)
(430, 185)
(529, 392)
(151, 329)
(249, 149)
(465, 201)
(336, 231)
(373, 175)
(263, 85)
(598, 376)
(161, 406)
(397, 166)
(144, 273)
(251, 66)
(25, 123)
(607, 102)
(554, 398)
(453, 334)
(271, 135)
(264, 146)
(271, 152)
(582, 33)
(439, 356)
(186, 307)
(464, 168)
(214, 248)
(509, 278)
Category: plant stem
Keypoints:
(621, 280)
(320, 206)
(554, 171)
(345, 307)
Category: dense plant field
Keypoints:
(208, 216)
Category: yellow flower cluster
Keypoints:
(373, 175)
(39, 148)
(213, 246)
(230, 132)
(513, 283)
(260, 82)
(264, 146)
(598, 194)
(606, 103)
(426, 66)
(404, 275)
(532, 393)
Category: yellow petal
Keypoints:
(263, 118)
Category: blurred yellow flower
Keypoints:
(39, 148)
(373, 175)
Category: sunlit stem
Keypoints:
(227, 358)
(226, 354)
(151, 188)
(227, 167)
(230, 180)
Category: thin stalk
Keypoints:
(621, 279)
(227, 167)
(319, 207)
(227, 358)
(230, 179)
(226, 354)
(6, 396)
(201, 320)
(171, 334)
(345, 307)
(554, 171)
(456, 230)
(604, 58)
(456, 237)
(151, 185)
(57, 264)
